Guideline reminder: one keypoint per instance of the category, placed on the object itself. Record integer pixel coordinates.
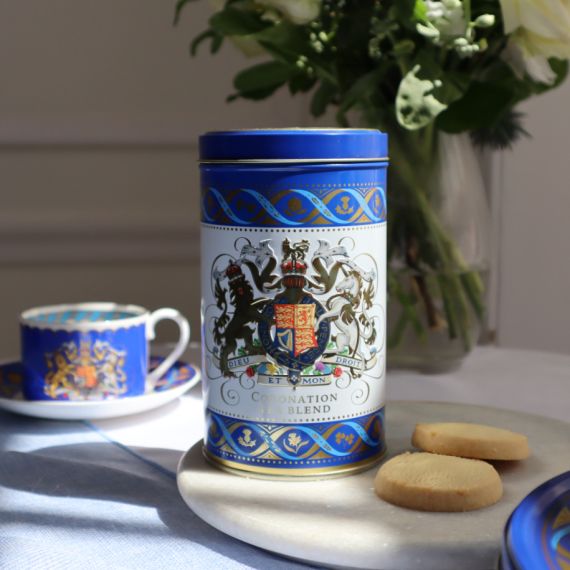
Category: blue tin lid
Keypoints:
(538, 532)
(295, 145)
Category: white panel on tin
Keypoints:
(255, 338)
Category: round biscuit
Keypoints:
(474, 441)
(441, 483)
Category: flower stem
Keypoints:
(459, 286)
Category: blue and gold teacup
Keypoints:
(93, 351)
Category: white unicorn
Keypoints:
(356, 329)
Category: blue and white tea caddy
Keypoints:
(293, 299)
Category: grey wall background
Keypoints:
(100, 107)
(534, 239)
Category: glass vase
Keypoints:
(439, 249)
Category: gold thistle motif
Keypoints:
(92, 371)
(345, 207)
(246, 440)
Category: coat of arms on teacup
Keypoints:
(93, 351)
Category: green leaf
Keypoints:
(404, 47)
(502, 73)
(361, 90)
(256, 95)
(301, 83)
(322, 97)
(481, 106)
(216, 44)
(286, 42)
(428, 58)
(259, 94)
(207, 34)
(453, 86)
(271, 74)
(404, 9)
(409, 12)
(560, 68)
(178, 9)
(286, 36)
(232, 21)
(420, 11)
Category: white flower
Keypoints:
(447, 16)
(539, 29)
(296, 11)
(484, 21)
(446, 25)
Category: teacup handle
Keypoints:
(183, 325)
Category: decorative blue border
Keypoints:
(294, 207)
(295, 446)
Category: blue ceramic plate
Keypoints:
(180, 378)
(538, 532)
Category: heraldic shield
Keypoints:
(289, 333)
(295, 327)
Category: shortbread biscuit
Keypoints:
(471, 440)
(430, 482)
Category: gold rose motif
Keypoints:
(294, 443)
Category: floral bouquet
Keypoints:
(421, 70)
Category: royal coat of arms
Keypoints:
(90, 371)
(302, 316)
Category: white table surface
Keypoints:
(526, 381)
(152, 444)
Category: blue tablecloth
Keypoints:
(71, 498)
(103, 495)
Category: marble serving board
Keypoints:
(341, 523)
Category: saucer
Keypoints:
(178, 380)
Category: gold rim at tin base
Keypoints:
(236, 468)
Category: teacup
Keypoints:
(93, 351)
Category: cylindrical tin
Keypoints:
(293, 299)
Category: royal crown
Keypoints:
(293, 265)
(233, 271)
